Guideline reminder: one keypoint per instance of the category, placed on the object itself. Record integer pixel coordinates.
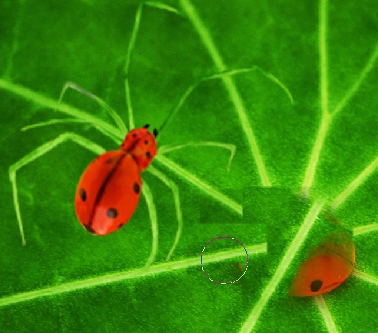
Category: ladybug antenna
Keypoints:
(146, 126)
(155, 132)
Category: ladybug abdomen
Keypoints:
(320, 275)
(108, 192)
(329, 266)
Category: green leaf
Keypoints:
(285, 91)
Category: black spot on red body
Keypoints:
(316, 285)
(120, 225)
(136, 188)
(82, 194)
(146, 142)
(89, 229)
(112, 213)
(148, 155)
(135, 134)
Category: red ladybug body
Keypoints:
(328, 266)
(109, 189)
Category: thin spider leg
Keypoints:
(40, 99)
(163, 6)
(154, 224)
(40, 151)
(220, 75)
(130, 51)
(175, 191)
(118, 120)
(52, 122)
(232, 148)
(131, 47)
(101, 129)
(200, 184)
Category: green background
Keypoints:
(43, 44)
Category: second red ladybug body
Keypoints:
(328, 266)
(109, 189)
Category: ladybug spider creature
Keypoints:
(327, 265)
(109, 189)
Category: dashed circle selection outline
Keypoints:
(246, 260)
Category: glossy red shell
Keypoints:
(109, 189)
(328, 266)
(108, 192)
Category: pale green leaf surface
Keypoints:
(67, 280)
